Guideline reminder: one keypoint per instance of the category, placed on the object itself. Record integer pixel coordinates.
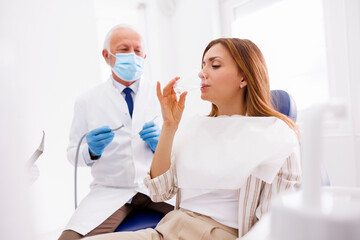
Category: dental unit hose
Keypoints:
(77, 160)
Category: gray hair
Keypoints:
(110, 33)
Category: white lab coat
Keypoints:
(119, 173)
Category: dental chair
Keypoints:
(282, 102)
(285, 104)
(138, 220)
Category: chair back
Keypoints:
(285, 104)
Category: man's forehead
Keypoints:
(126, 42)
(125, 36)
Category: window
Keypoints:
(290, 34)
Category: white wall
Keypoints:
(177, 41)
(51, 46)
(14, 204)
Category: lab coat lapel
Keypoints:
(143, 110)
(117, 99)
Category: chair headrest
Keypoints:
(284, 103)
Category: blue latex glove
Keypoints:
(98, 139)
(150, 134)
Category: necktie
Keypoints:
(129, 100)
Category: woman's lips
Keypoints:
(204, 86)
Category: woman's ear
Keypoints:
(243, 81)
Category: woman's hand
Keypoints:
(171, 108)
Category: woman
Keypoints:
(248, 154)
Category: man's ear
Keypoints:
(105, 54)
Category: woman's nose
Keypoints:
(202, 75)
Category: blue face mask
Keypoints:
(128, 66)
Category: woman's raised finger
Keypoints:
(182, 100)
(169, 88)
(158, 90)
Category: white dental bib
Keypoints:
(222, 152)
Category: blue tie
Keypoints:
(129, 100)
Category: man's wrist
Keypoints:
(94, 157)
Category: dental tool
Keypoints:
(37, 152)
(153, 119)
(115, 129)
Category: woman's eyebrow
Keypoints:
(213, 58)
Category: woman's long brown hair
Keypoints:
(251, 64)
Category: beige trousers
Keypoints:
(178, 224)
(138, 203)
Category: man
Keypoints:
(118, 159)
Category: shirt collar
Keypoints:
(134, 87)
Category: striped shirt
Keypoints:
(254, 197)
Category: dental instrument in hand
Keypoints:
(77, 159)
(153, 119)
(33, 170)
(37, 152)
(115, 129)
